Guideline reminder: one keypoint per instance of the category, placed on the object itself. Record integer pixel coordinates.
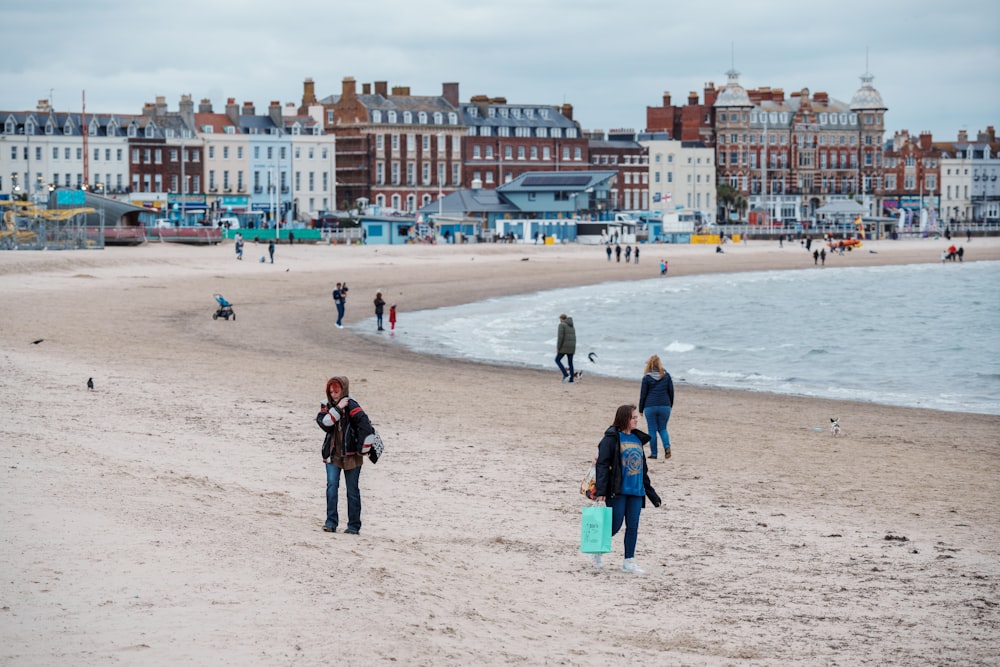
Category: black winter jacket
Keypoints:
(609, 467)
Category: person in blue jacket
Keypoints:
(656, 399)
(622, 481)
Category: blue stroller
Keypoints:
(225, 310)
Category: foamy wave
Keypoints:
(679, 347)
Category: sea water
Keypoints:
(922, 335)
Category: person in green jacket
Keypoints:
(566, 346)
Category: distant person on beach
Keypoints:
(291, 237)
(656, 400)
(815, 257)
(623, 481)
(379, 308)
(239, 245)
(618, 253)
(628, 254)
(339, 299)
(270, 250)
(566, 346)
(822, 257)
(609, 252)
(637, 254)
(392, 317)
(663, 267)
(349, 436)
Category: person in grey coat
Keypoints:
(566, 346)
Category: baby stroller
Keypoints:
(225, 309)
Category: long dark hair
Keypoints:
(624, 417)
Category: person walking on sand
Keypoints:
(815, 257)
(637, 254)
(628, 254)
(622, 479)
(349, 436)
(270, 250)
(566, 346)
(618, 253)
(609, 251)
(656, 400)
(663, 267)
(392, 317)
(379, 307)
(239, 245)
(822, 257)
(339, 298)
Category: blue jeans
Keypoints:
(340, 312)
(353, 497)
(559, 363)
(657, 417)
(626, 509)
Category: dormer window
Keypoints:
(453, 118)
(169, 133)
(438, 118)
(503, 112)
(392, 116)
(149, 133)
(376, 116)
(230, 129)
(133, 131)
(529, 113)
(544, 113)
(516, 113)
(492, 112)
(472, 111)
(50, 129)
(422, 117)
(10, 127)
(407, 117)
(67, 129)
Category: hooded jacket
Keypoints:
(656, 390)
(608, 469)
(566, 338)
(349, 431)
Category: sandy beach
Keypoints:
(173, 514)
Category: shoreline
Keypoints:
(173, 513)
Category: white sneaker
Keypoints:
(632, 567)
(595, 560)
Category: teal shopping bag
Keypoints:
(595, 530)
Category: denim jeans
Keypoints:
(353, 497)
(657, 417)
(626, 509)
(559, 363)
(340, 312)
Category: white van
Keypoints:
(232, 222)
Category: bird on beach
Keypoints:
(90, 384)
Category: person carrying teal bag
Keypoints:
(623, 481)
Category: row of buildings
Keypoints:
(734, 153)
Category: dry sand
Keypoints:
(173, 514)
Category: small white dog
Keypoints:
(835, 426)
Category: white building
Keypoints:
(681, 175)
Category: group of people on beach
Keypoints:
(340, 301)
(630, 251)
(621, 466)
(621, 469)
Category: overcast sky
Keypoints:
(935, 63)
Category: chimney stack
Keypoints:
(449, 91)
(382, 88)
(233, 111)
